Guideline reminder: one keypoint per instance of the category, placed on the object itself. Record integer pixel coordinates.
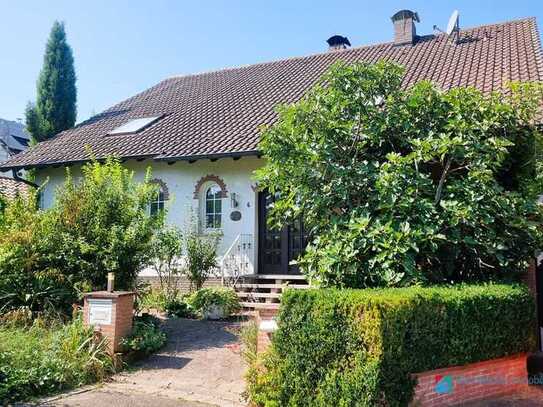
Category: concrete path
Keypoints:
(201, 363)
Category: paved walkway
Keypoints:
(201, 363)
(531, 397)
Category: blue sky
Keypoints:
(122, 47)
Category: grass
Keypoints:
(44, 358)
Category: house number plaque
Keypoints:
(100, 311)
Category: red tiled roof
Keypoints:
(11, 188)
(220, 113)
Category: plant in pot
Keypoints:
(215, 303)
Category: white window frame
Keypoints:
(204, 213)
(159, 201)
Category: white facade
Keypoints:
(186, 185)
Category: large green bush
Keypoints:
(42, 359)
(398, 186)
(97, 224)
(359, 347)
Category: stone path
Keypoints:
(201, 363)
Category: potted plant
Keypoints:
(215, 303)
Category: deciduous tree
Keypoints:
(403, 186)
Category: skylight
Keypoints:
(134, 125)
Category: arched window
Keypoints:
(157, 202)
(213, 207)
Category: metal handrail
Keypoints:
(237, 260)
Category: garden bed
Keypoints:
(44, 358)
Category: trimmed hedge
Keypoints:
(359, 347)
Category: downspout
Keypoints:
(16, 177)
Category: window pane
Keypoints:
(217, 221)
(209, 221)
(218, 206)
(209, 207)
(213, 192)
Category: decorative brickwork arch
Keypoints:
(210, 178)
(163, 187)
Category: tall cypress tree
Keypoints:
(56, 105)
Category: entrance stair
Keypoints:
(263, 291)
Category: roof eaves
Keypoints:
(211, 156)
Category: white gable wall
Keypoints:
(181, 179)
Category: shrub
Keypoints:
(201, 258)
(359, 347)
(41, 359)
(97, 225)
(178, 307)
(151, 299)
(166, 252)
(100, 224)
(203, 300)
(401, 186)
(146, 336)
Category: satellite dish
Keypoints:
(453, 23)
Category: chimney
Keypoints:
(337, 42)
(405, 31)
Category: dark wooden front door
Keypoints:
(278, 248)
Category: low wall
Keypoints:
(183, 282)
(460, 384)
(264, 336)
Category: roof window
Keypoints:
(134, 125)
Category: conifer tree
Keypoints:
(56, 105)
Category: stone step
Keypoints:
(260, 305)
(256, 285)
(276, 276)
(254, 294)
(268, 286)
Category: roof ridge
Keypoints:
(347, 50)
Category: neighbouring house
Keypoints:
(200, 133)
(13, 140)
(11, 188)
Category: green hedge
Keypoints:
(358, 347)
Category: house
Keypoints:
(13, 140)
(200, 133)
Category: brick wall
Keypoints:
(460, 384)
(183, 282)
(121, 317)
